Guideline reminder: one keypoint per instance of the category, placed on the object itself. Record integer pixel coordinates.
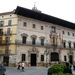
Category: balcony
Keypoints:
(1, 33)
(8, 33)
(1, 52)
(7, 51)
(5, 42)
(39, 44)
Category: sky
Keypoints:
(63, 9)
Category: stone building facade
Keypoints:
(41, 39)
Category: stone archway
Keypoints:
(54, 55)
(33, 54)
(70, 56)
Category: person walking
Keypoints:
(19, 65)
(23, 65)
(67, 69)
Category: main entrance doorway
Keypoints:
(6, 59)
(33, 59)
(71, 59)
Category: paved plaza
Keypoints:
(28, 71)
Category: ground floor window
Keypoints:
(23, 57)
(54, 56)
(42, 57)
(65, 58)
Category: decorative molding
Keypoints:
(42, 37)
(69, 41)
(24, 34)
(33, 36)
(64, 40)
(74, 42)
(33, 50)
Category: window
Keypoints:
(7, 40)
(23, 57)
(53, 29)
(24, 39)
(9, 22)
(69, 45)
(64, 44)
(7, 50)
(8, 31)
(74, 45)
(42, 57)
(63, 32)
(24, 23)
(34, 41)
(1, 23)
(1, 31)
(2, 16)
(42, 41)
(33, 25)
(41, 27)
(73, 34)
(68, 33)
(65, 58)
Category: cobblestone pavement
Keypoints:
(28, 71)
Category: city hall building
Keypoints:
(35, 38)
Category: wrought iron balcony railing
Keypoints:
(7, 51)
(45, 44)
(1, 33)
(5, 42)
(8, 32)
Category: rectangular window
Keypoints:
(42, 41)
(33, 25)
(74, 45)
(7, 40)
(1, 23)
(41, 27)
(42, 57)
(8, 31)
(69, 45)
(65, 58)
(7, 50)
(24, 23)
(1, 31)
(24, 40)
(68, 33)
(63, 32)
(9, 22)
(34, 41)
(23, 57)
(53, 29)
(64, 44)
(73, 34)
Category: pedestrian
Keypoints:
(23, 65)
(19, 65)
(2, 69)
(67, 69)
(5, 64)
(74, 66)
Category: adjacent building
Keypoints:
(35, 38)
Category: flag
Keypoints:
(51, 40)
(51, 34)
(60, 39)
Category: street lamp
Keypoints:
(46, 52)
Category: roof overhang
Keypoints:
(43, 17)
